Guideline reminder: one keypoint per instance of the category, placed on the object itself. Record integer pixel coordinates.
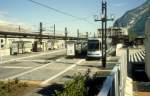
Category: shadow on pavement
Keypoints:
(50, 90)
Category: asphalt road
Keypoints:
(45, 68)
(24, 65)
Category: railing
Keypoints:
(114, 85)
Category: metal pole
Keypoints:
(66, 32)
(104, 30)
(104, 20)
(102, 37)
(54, 36)
(19, 28)
(87, 35)
(41, 29)
(78, 34)
(54, 32)
(105, 33)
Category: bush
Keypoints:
(75, 87)
(82, 85)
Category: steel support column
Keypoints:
(104, 31)
(104, 20)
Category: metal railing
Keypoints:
(114, 85)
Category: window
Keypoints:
(93, 45)
(1, 43)
(2, 46)
(2, 40)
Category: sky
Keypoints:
(29, 13)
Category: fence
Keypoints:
(114, 84)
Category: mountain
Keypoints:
(135, 18)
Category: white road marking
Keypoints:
(15, 67)
(36, 55)
(82, 69)
(44, 83)
(35, 60)
(26, 72)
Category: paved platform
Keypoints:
(46, 68)
(30, 56)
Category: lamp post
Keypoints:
(104, 20)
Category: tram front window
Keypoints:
(93, 45)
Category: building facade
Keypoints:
(7, 45)
(147, 47)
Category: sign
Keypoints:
(70, 49)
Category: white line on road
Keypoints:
(35, 60)
(82, 69)
(36, 55)
(15, 67)
(26, 72)
(44, 83)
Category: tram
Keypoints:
(94, 49)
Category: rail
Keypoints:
(114, 85)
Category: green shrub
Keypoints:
(75, 87)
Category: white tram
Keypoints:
(95, 46)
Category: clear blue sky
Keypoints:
(30, 13)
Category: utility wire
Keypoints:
(59, 11)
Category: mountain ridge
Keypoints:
(135, 18)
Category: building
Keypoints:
(6, 44)
(114, 32)
(24, 45)
(147, 47)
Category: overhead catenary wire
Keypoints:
(59, 11)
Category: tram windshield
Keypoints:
(93, 45)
